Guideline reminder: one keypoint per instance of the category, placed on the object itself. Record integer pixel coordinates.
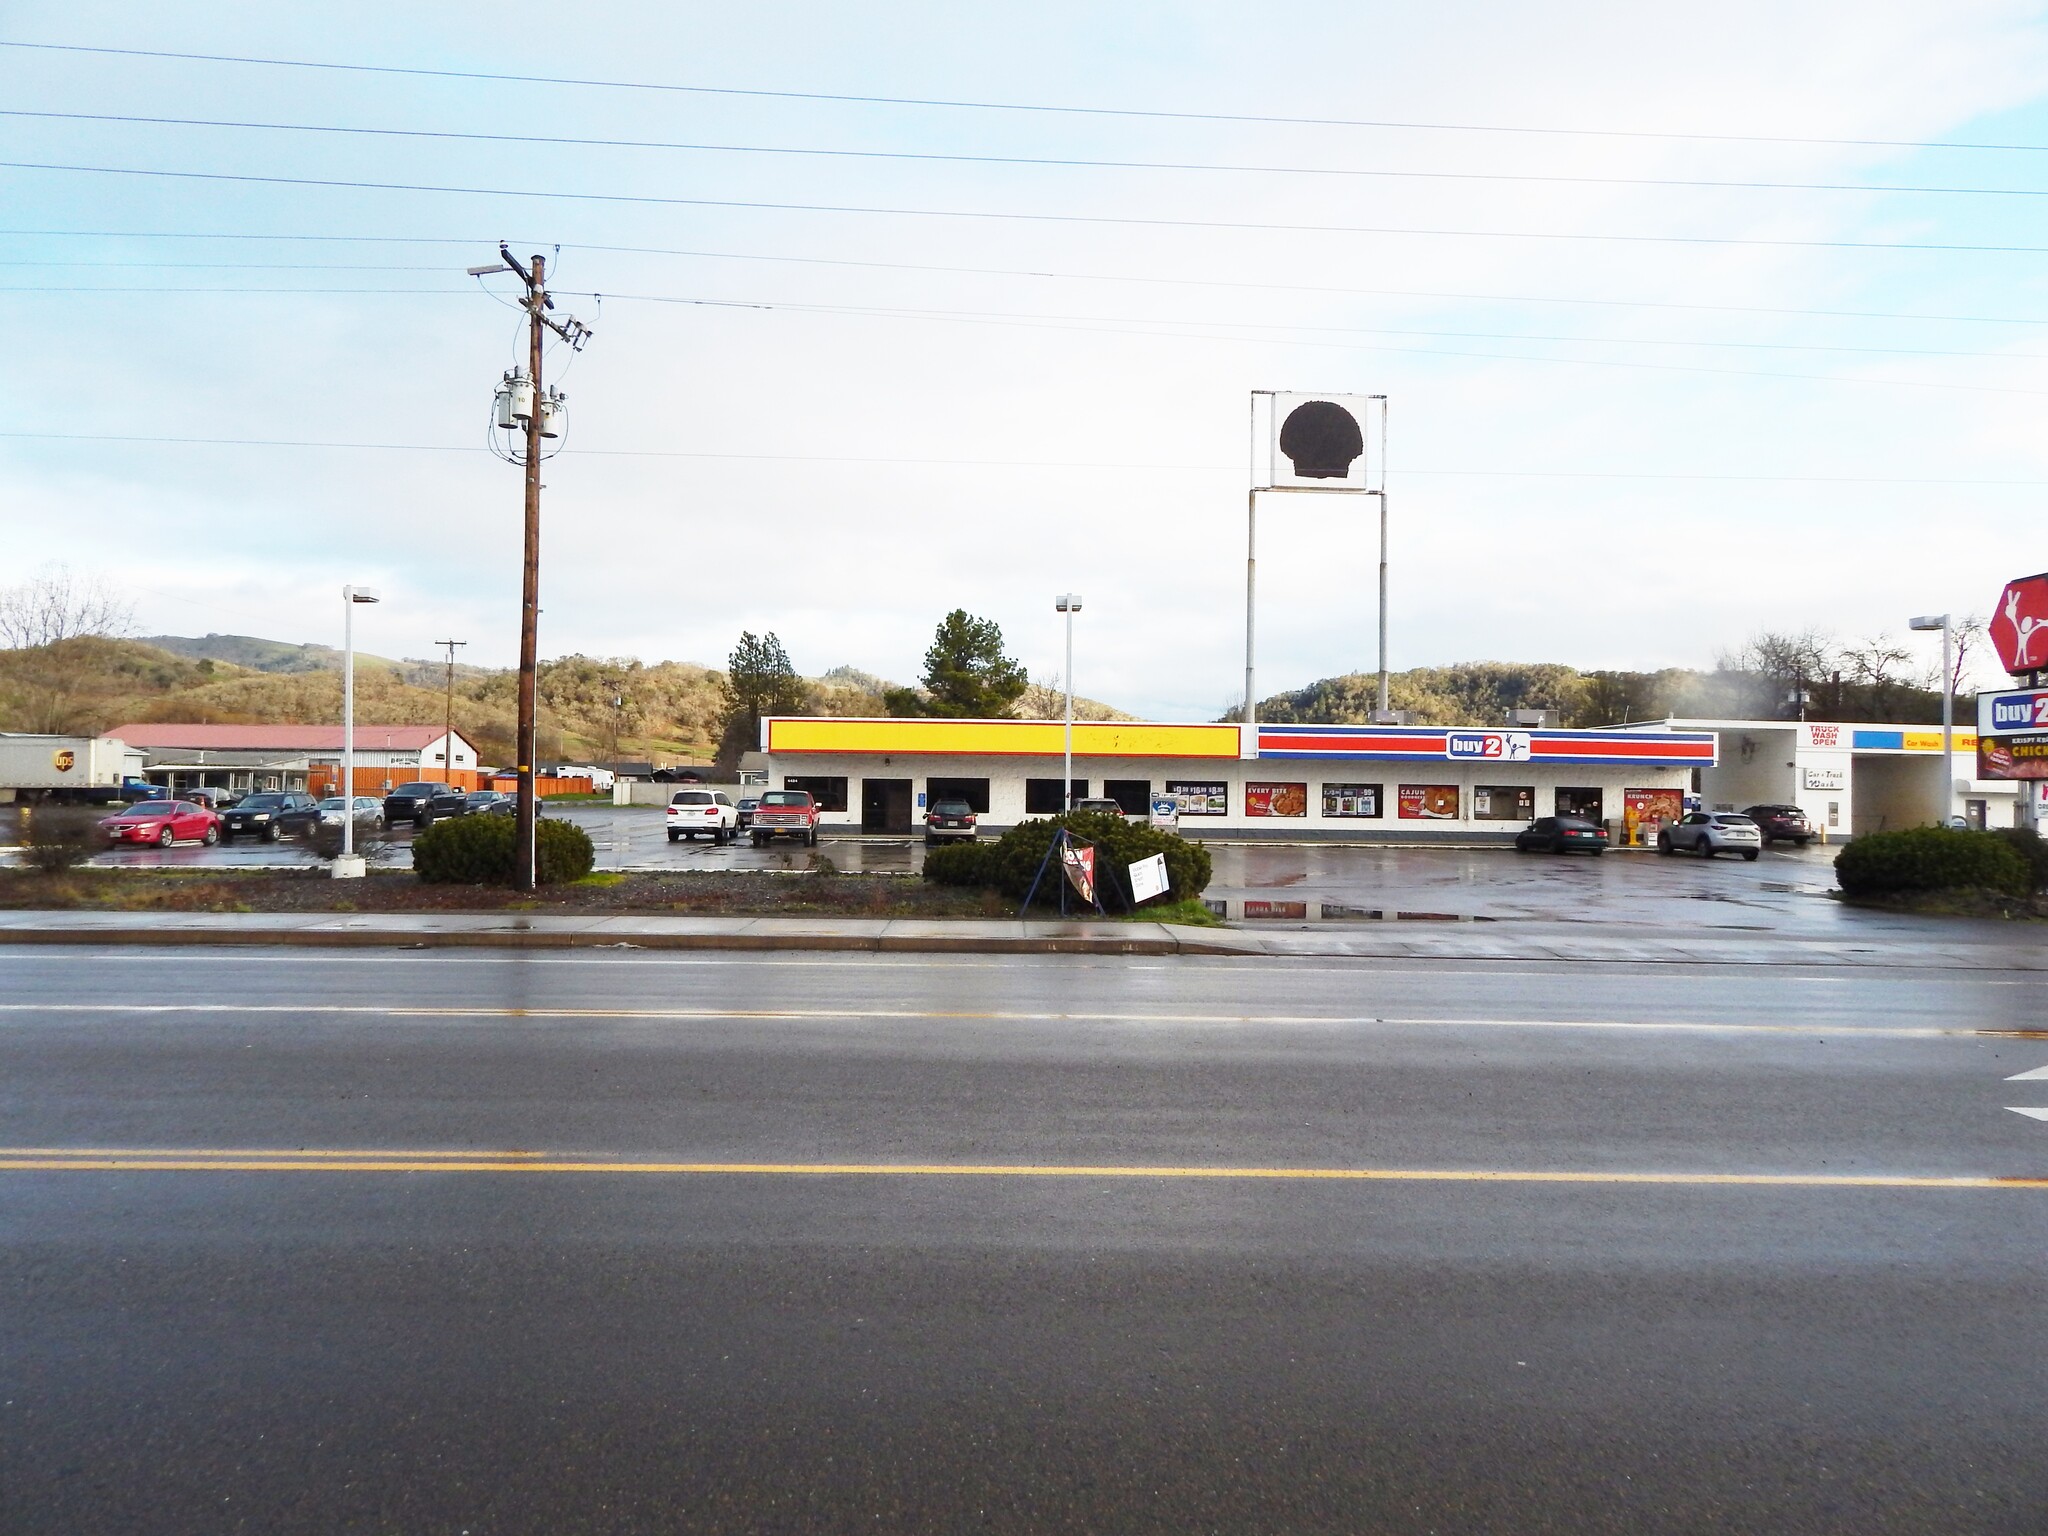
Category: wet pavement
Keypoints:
(1265, 883)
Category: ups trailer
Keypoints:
(70, 770)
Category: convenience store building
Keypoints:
(1291, 782)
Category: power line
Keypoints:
(1030, 272)
(1060, 162)
(1105, 220)
(878, 459)
(1153, 114)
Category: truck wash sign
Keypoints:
(1640, 748)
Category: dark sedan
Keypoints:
(424, 804)
(489, 802)
(1561, 834)
(266, 816)
(1781, 823)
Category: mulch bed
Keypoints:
(313, 890)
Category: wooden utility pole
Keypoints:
(448, 716)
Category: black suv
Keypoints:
(1785, 823)
(423, 804)
(267, 815)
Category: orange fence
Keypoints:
(326, 780)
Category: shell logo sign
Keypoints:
(64, 760)
(2019, 626)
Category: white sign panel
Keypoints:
(2004, 714)
(1319, 442)
(1824, 778)
(1148, 878)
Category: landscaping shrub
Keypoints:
(479, 850)
(1932, 859)
(964, 864)
(2031, 847)
(1015, 857)
(55, 838)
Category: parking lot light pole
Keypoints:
(1940, 621)
(1069, 603)
(350, 596)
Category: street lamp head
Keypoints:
(493, 269)
(1069, 602)
(360, 595)
(1928, 621)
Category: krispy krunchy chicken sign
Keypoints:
(2019, 626)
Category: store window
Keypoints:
(1042, 796)
(1503, 802)
(1264, 799)
(830, 793)
(1583, 803)
(1133, 796)
(1199, 799)
(1352, 800)
(1428, 802)
(973, 791)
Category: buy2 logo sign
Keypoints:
(1501, 746)
(2019, 712)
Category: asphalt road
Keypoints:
(465, 1241)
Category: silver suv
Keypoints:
(1710, 832)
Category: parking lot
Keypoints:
(1255, 882)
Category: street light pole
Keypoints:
(1940, 621)
(1069, 603)
(350, 596)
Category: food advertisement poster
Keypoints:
(1276, 799)
(1429, 802)
(1351, 799)
(1200, 799)
(2013, 757)
(1663, 806)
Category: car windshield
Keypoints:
(262, 803)
(153, 807)
(415, 789)
(786, 797)
(481, 796)
(1733, 821)
(331, 803)
(691, 797)
(953, 808)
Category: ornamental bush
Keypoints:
(2031, 847)
(479, 850)
(967, 864)
(1932, 859)
(1014, 860)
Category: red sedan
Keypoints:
(163, 822)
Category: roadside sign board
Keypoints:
(2012, 734)
(1148, 878)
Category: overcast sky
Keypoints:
(1743, 407)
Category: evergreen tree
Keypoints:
(758, 681)
(966, 674)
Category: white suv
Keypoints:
(691, 811)
(1710, 832)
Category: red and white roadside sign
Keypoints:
(2019, 625)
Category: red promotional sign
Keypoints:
(2019, 626)
(1080, 866)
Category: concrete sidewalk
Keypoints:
(2019, 948)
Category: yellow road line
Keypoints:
(102, 1160)
(992, 1016)
(294, 1153)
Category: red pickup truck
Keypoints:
(786, 813)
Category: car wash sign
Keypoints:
(2012, 734)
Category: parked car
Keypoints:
(747, 806)
(1100, 803)
(268, 815)
(949, 818)
(1561, 834)
(212, 799)
(1710, 832)
(786, 813)
(1781, 821)
(162, 822)
(489, 802)
(691, 811)
(423, 804)
(368, 810)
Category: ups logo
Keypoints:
(64, 760)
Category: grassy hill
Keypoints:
(672, 710)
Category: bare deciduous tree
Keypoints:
(58, 606)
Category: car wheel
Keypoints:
(759, 841)
(1664, 842)
(1596, 851)
(675, 837)
(165, 838)
(1750, 854)
(270, 833)
(1706, 847)
(212, 836)
(424, 820)
(811, 838)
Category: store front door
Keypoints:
(885, 805)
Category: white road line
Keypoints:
(2035, 1114)
(2021, 1077)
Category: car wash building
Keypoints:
(1287, 782)
(1849, 778)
